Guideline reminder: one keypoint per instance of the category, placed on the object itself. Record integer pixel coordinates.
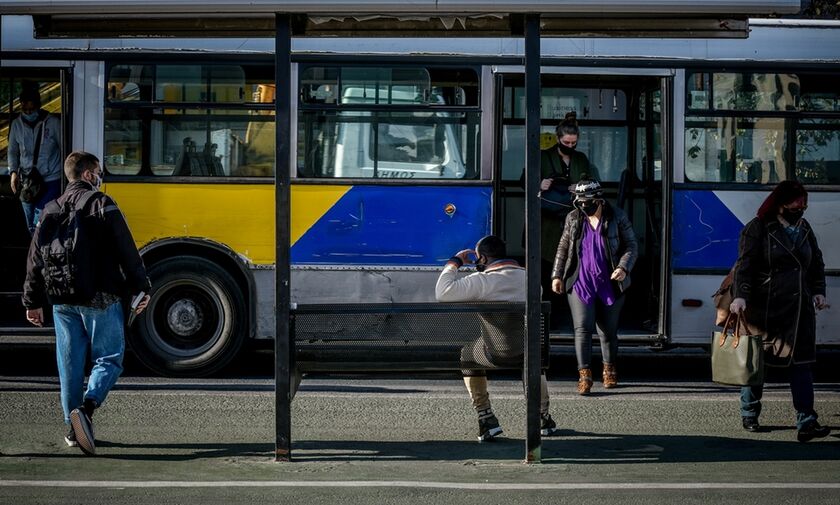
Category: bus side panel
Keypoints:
(239, 216)
(397, 225)
(705, 238)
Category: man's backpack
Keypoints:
(65, 241)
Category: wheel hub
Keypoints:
(185, 317)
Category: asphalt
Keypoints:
(380, 440)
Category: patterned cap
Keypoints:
(587, 189)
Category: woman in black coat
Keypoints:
(778, 286)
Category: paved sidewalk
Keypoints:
(392, 441)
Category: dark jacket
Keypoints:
(620, 242)
(552, 167)
(119, 268)
(778, 279)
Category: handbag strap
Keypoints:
(38, 137)
(736, 331)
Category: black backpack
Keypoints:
(65, 241)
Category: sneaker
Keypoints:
(750, 424)
(548, 428)
(812, 430)
(70, 439)
(83, 428)
(488, 426)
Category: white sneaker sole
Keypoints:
(491, 434)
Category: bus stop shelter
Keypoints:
(529, 20)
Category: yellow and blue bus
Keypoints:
(405, 151)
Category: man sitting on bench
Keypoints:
(498, 279)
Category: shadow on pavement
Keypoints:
(569, 447)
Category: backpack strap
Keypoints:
(82, 202)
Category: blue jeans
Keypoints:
(82, 330)
(589, 318)
(32, 211)
(801, 389)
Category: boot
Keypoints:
(585, 381)
(610, 378)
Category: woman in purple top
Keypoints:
(594, 257)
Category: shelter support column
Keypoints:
(532, 372)
(284, 346)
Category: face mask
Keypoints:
(565, 149)
(31, 117)
(96, 182)
(792, 216)
(588, 207)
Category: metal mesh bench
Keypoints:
(412, 336)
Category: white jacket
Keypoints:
(502, 281)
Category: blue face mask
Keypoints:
(31, 117)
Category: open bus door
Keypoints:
(14, 239)
(622, 117)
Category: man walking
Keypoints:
(498, 279)
(83, 262)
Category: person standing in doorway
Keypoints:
(561, 166)
(35, 144)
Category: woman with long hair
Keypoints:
(778, 286)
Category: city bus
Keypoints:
(408, 150)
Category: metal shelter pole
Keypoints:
(532, 236)
(283, 344)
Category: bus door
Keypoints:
(620, 116)
(14, 238)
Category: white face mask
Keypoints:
(96, 182)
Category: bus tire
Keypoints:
(196, 320)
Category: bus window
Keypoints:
(602, 114)
(389, 123)
(818, 151)
(743, 92)
(209, 144)
(156, 125)
(735, 149)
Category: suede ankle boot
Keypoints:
(585, 381)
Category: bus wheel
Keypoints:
(195, 322)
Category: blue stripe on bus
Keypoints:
(705, 232)
(397, 225)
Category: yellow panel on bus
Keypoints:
(240, 216)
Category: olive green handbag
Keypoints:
(737, 360)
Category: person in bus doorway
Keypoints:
(779, 284)
(87, 303)
(561, 165)
(497, 279)
(592, 267)
(35, 144)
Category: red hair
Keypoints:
(785, 193)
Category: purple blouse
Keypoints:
(594, 275)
